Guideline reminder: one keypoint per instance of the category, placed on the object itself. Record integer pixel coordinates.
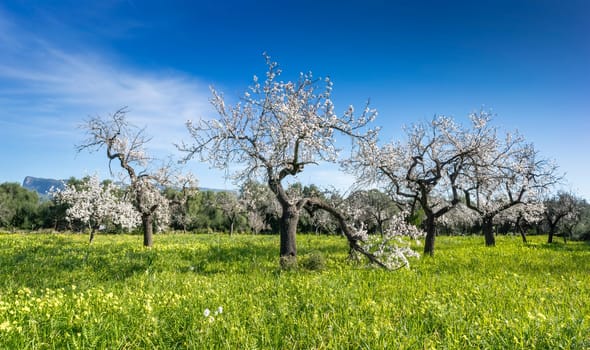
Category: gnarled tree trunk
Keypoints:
(488, 231)
(288, 231)
(353, 242)
(92, 232)
(148, 229)
(552, 230)
(522, 234)
(430, 228)
(521, 229)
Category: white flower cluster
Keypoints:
(95, 204)
(279, 127)
(393, 247)
(210, 316)
(148, 200)
(528, 212)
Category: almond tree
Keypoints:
(508, 173)
(425, 169)
(231, 206)
(561, 208)
(95, 205)
(523, 216)
(260, 204)
(184, 189)
(275, 131)
(460, 219)
(376, 207)
(125, 143)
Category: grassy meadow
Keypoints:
(220, 292)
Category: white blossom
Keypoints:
(95, 204)
(393, 247)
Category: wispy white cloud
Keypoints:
(41, 83)
(48, 88)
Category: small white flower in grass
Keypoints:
(219, 310)
(207, 312)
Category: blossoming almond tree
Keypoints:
(509, 174)
(125, 143)
(231, 206)
(260, 204)
(561, 207)
(95, 204)
(523, 216)
(376, 207)
(277, 130)
(425, 169)
(460, 219)
(184, 188)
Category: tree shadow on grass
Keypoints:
(570, 246)
(242, 258)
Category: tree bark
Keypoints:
(91, 236)
(552, 229)
(522, 234)
(288, 230)
(353, 241)
(148, 229)
(521, 230)
(430, 235)
(488, 231)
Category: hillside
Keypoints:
(41, 185)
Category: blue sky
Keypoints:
(63, 61)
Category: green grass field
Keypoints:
(56, 292)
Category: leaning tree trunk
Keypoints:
(148, 229)
(92, 232)
(430, 235)
(353, 240)
(488, 231)
(522, 234)
(520, 229)
(288, 230)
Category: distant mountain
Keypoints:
(205, 189)
(42, 186)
